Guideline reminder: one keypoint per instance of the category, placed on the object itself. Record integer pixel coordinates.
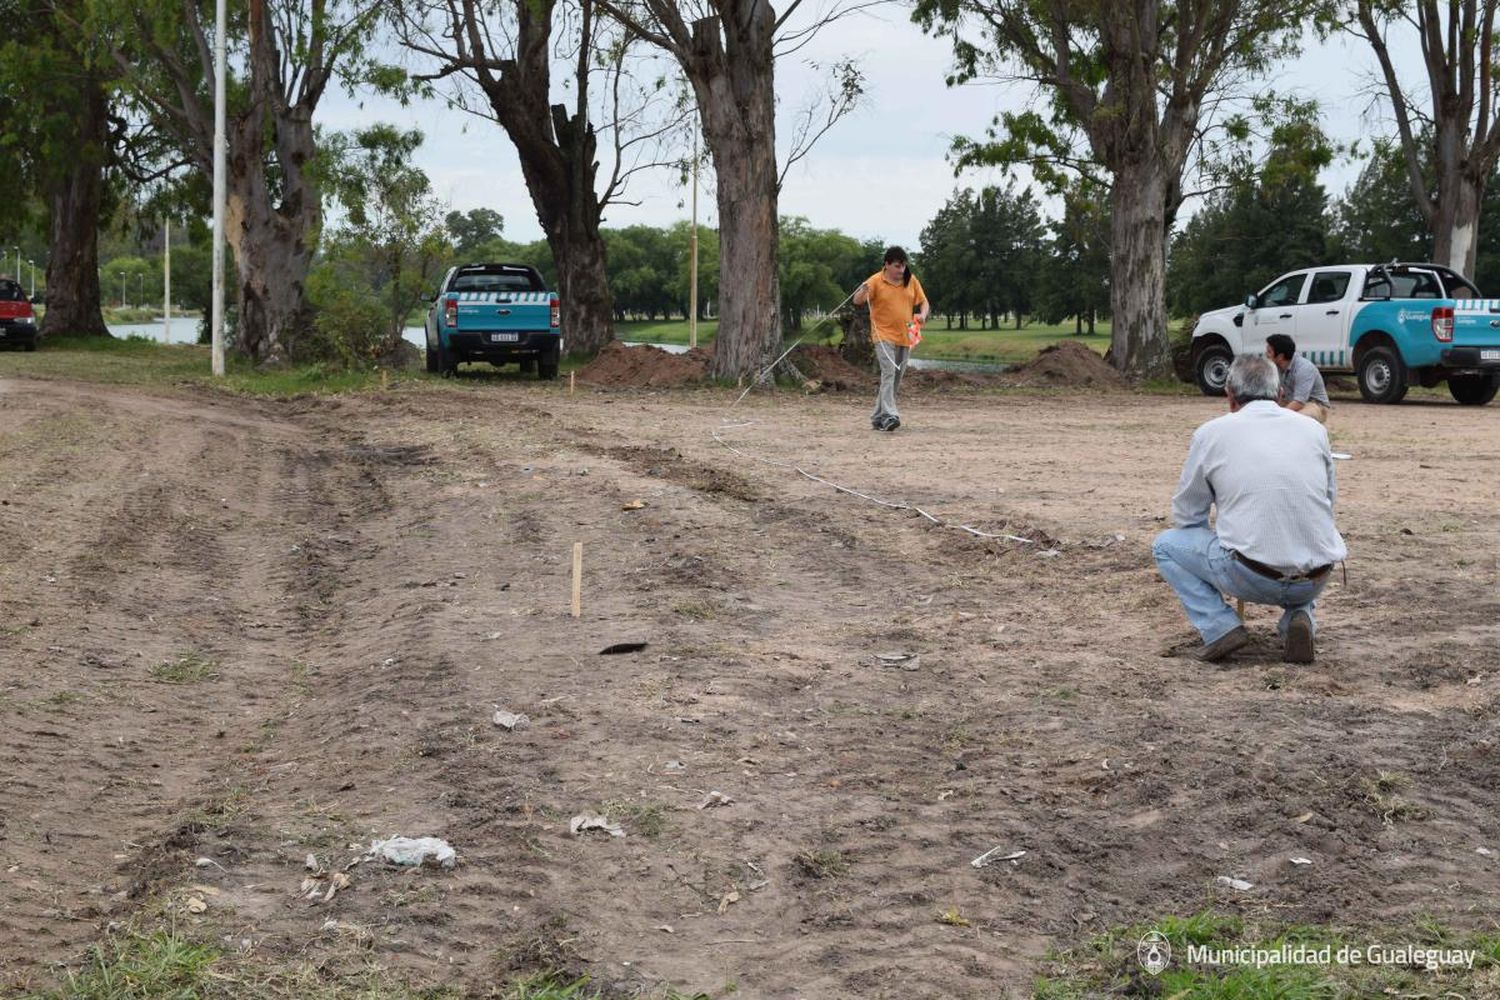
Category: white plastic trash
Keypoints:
(415, 851)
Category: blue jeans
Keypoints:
(1202, 571)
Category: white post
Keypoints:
(166, 291)
(693, 254)
(33, 277)
(219, 149)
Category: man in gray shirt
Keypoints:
(1302, 387)
(1270, 474)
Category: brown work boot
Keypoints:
(1225, 644)
(1298, 647)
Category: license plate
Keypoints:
(504, 338)
(1489, 355)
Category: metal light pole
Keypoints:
(17, 252)
(166, 289)
(693, 254)
(33, 277)
(220, 28)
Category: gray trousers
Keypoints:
(892, 365)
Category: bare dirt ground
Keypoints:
(252, 631)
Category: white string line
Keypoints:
(891, 505)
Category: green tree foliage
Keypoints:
(473, 229)
(815, 266)
(1247, 235)
(282, 56)
(982, 252)
(708, 267)
(1074, 279)
(642, 272)
(1378, 218)
(390, 242)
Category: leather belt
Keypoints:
(1271, 573)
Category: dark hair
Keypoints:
(895, 255)
(1282, 345)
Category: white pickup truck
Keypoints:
(1391, 325)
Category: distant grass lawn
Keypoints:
(1004, 346)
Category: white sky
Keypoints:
(881, 173)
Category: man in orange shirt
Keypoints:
(894, 295)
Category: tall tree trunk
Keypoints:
(1455, 224)
(1137, 294)
(737, 102)
(857, 348)
(271, 241)
(557, 153)
(73, 243)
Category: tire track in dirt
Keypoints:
(148, 657)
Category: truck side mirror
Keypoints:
(1250, 301)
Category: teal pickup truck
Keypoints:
(1390, 325)
(499, 313)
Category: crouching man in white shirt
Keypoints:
(1269, 472)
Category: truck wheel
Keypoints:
(1473, 390)
(447, 367)
(1382, 375)
(1212, 369)
(432, 361)
(31, 346)
(546, 365)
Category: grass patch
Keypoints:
(823, 864)
(648, 819)
(1108, 964)
(190, 668)
(160, 964)
(1382, 793)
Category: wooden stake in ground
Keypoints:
(571, 377)
(577, 579)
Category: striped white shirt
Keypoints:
(1270, 473)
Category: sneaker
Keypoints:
(1298, 647)
(892, 424)
(1225, 644)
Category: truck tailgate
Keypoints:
(502, 311)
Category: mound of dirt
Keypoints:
(644, 367)
(1066, 363)
(827, 366)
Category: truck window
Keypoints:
(1328, 286)
(1285, 292)
(1458, 288)
(11, 292)
(1403, 285)
(507, 280)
